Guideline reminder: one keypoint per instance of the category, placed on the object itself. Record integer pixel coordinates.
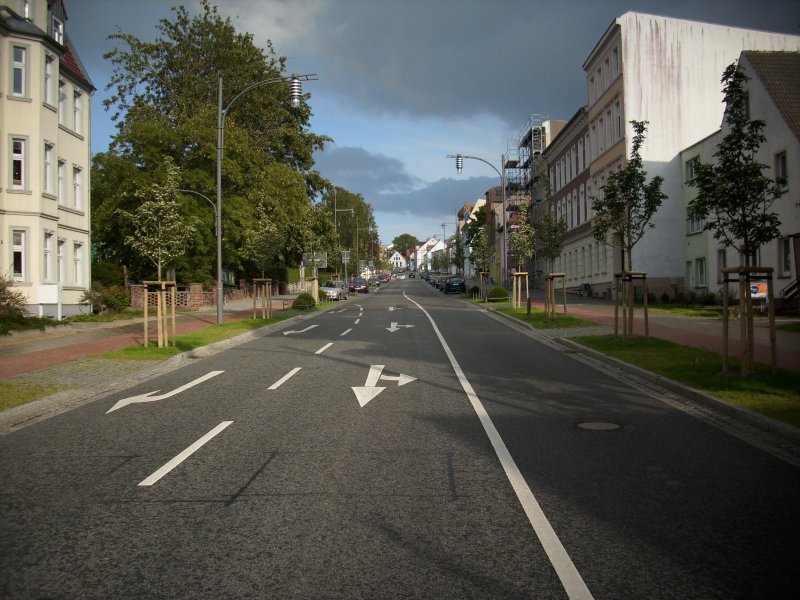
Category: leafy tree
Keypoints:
(629, 201)
(523, 239)
(161, 233)
(734, 197)
(353, 228)
(550, 232)
(262, 243)
(475, 224)
(164, 100)
(459, 255)
(479, 249)
(404, 242)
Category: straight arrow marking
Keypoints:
(394, 327)
(151, 396)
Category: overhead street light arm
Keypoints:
(295, 89)
(460, 163)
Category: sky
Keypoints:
(404, 83)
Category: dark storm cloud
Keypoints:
(510, 58)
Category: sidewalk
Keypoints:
(35, 350)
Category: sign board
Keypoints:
(362, 264)
(318, 260)
(758, 290)
(371, 265)
(346, 256)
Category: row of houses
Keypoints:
(45, 97)
(666, 72)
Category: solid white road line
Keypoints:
(345, 332)
(184, 455)
(284, 379)
(325, 347)
(565, 569)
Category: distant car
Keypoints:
(359, 286)
(412, 275)
(400, 275)
(334, 290)
(455, 284)
(375, 281)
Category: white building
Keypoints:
(44, 180)
(667, 72)
(773, 97)
(398, 260)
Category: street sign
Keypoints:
(345, 256)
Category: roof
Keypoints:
(779, 72)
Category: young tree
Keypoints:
(625, 211)
(629, 202)
(459, 256)
(523, 239)
(263, 241)
(734, 197)
(550, 232)
(161, 233)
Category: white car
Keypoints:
(334, 290)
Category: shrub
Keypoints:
(12, 301)
(474, 291)
(115, 298)
(303, 302)
(497, 294)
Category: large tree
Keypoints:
(734, 197)
(404, 242)
(164, 100)
(354, 223)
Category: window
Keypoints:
(691, 168)
(584, 201)
(593, 148)
(781, 174)
(785, 257)
(18, 163)
(601, 141)
(48, 168)
(700, 272)
(618, 119)
(581, 155)
(695, 224)
(62, 182)
(49, 79)
(62, 244)
(77, 257)
(19, 71)
(591, 89)
(26, 9)
(599, 78)
(77, 111)
(752, 259)
(77, 188)
(47, 272)
(18, 261)
(609, 137)
(58, 31)
(62, 103)
(614, 62)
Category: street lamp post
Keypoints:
(295, 92)
(459, 166)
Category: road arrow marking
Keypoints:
(151, 397)
(371, 389)
(394, 327)
(391, 309)
(300, 331)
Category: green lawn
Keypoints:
(777, 397)
(539, 320)
(16, 394)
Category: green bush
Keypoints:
(474, 291)
(303, 302)
(497, 294)
(115, 298)
(12, 301)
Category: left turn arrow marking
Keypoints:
(151, 396)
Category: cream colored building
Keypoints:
(667, 72)
(45, 171)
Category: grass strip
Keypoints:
(190, 341)
(16, 394)
(775, 396)
(539, 319)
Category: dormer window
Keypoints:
(58, 31)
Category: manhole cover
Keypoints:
(599, 426)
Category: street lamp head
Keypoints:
(295, 90)
(459, 163)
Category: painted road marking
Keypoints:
(357, 322)
(345, 332)
(371, 389)
(572, 581)
(325, 347)
(284, 379)
(184, 455)
(300, 331)
(150, 397)
(394, 327)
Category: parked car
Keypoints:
(359, 286)
(375, 281)
(455, 284)
(334, 290)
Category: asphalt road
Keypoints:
(404, 444)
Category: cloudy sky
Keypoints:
(402, 83)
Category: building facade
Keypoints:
(666, 72)
(45, 175)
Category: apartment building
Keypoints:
(45, 172)
(773, 92)
(667, 72)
